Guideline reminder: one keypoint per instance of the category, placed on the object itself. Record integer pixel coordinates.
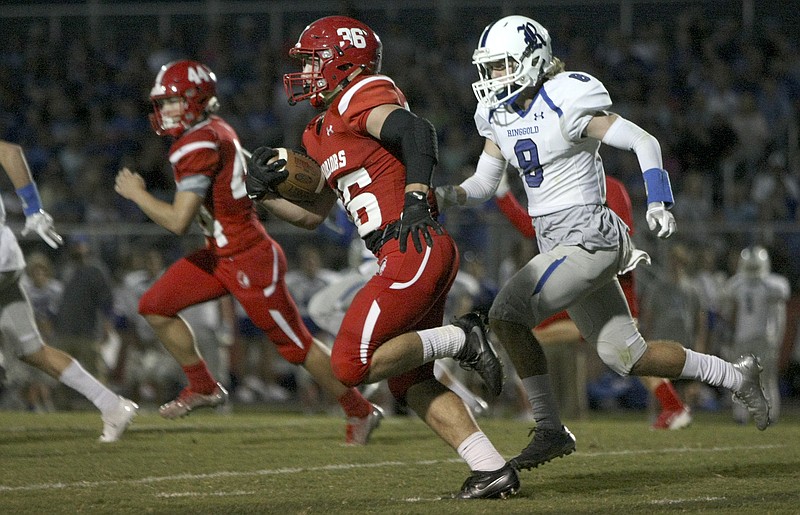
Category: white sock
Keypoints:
(441, 342)
(480, 454)
(543, 401)
(77, 378)
(711, 370)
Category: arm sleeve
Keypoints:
(195, 154)
(414, 141)
(626, 135)
(484, 182)
(357, 103)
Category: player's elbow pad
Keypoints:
(412, 140)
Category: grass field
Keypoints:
(267, 462)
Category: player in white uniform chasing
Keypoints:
(17, 323)
(549, 124)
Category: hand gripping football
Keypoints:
(305, 179)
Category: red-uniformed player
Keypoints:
(239, 258)
(378, 158)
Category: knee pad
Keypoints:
(620, 354)
(20, 330)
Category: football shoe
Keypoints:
(496, 484)
(116, 422)
(547, 444)
(358, 430)
(188, 400)
(478, 353)
(751, 393)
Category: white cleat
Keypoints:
(116, 422)
(673, 420)
(751, 393)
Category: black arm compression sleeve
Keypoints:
(412, 140)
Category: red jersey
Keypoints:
(408, 292)
(240, 258)
(210, 151)
(369, 180)
(618, 201)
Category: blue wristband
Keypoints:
(29, 195)
(657, 187)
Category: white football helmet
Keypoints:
(520, 43)
(754, 261)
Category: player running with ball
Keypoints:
(378, 158)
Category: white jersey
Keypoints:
(760, 308)
(11, 257)
(560, 168)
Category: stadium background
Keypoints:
(718, 82)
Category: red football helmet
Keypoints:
(331, 49)
(195, 84)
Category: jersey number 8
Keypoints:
(528, 158)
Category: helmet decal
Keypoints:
(533, 39)
(331, 50)
(518, 45)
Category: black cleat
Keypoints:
(496, 484)
(546, 445)
(478, 353)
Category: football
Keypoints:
(305, 179)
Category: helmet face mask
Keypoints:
(523, 50)
(310, 82)
(332, 50)
(170, 113)
(194, 84)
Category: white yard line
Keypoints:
(672, 502)
(343, 466)
(166, 495)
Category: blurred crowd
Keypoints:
(722, 99)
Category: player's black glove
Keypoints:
(263, 177)
(416, 219)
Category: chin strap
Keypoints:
(329, 96)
